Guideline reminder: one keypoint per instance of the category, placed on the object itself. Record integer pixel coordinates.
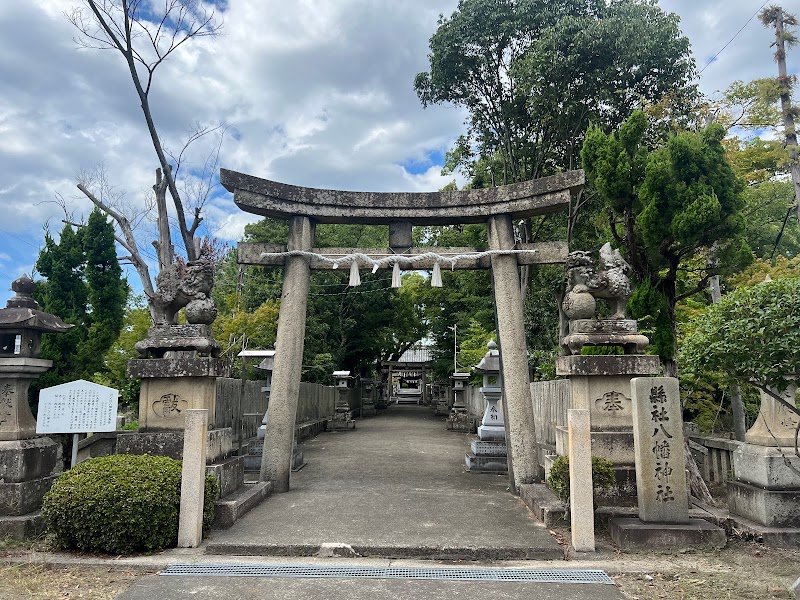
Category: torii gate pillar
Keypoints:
(517, 401)
(276, 460)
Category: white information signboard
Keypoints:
(77, 407)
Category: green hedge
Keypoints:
(120, 504)
(603, 477)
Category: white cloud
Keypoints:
(317, 93)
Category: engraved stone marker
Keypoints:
(659, 449)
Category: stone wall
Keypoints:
(316, 402)
(474, 402)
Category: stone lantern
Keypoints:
(267, 365)
(21, 328)
(367, 399)
(439, 393)
(493, 425)
(489, 451)
(383, 389)
(459, 419)
(342, 414)
(26, 461)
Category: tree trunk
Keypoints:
(786, 105)
(737, 406)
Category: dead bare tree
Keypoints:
(145, 34)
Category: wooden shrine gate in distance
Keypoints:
(497, 207)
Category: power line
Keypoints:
(345, 293)
(713, 58)
(19, 239)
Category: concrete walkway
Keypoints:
(394, 487)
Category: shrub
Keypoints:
(120, 504)
(603, 478)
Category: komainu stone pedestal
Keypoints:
(602, 384)
(171, 385)
(766, 490)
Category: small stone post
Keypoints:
(581, 489)
(193, 478)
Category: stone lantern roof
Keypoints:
(22, 311)
(490, 363)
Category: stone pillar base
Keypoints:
(636, 535)
(767, 491)
(341, 421)
(460, 421)
(170, 386)
(170, 443)
(22, 527)
(17, 499)
(25, 477)
(771, 508)
(487, 457)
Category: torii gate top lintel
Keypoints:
(280, 200)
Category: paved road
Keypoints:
(247, 588)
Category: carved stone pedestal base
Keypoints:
(172, 385)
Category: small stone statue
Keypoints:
(585, 283)
(182, 286)
(189, 286)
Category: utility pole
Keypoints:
(737, 406)
(455, 346)
(775, 16)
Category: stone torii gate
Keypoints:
(497, 207)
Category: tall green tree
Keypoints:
(107, 292)
(64, 294)
(676, 210)
(84, 286)
(533, 75)
(752, 337)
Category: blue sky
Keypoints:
(316, 92)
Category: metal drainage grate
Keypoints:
(452, 574)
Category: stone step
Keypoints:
(233, 507)
(486, 464)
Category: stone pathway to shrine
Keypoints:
(393, 487)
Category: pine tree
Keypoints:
(108, 292)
